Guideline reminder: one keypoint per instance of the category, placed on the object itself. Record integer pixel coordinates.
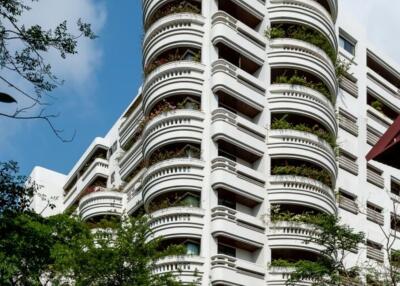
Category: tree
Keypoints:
(388, 273)
(337, 242)
(23, 52)
(117, 256)
(57, 250)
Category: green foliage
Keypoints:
(121, 257)
(24, 50)
(283, 123)
(303, 33)
(309, 35)
(378, 105)
(329, 268)
(173, 8)
(305, 171)
(37, 251)
(169, 57)
(14, 194)
(297, 79)
(162, 107)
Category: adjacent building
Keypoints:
(241, 117)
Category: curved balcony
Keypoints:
(180, 77)
(302, 191)
(100, 203)
(237, 83)
(177, 222)
(305, 12)
(278, 276)
(172, 175)
(97, 169)
(300, 55)
(238, 226)
(227, 270)
(237, 178)
(292, 144)
(172, 127)
(237, 130)
(189, 268)
(130, 159)
(184, 29)
(292, 235)
(236, 35)
(286, 98)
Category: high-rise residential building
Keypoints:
(241, 115)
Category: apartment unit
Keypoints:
(241, 117)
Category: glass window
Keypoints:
(192, 248)
(347, 45)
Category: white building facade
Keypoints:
(236, 119)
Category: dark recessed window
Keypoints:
(347, 45)
(227, 250)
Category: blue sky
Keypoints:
(105, 76)
(90, 107)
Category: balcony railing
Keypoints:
(375, 254)
(348, 204)
(374, 178)
(375, 216)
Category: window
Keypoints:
(395, 187)
(112, 149)
(347, 45)
(192, 248)
(112, 178)
(227, 250)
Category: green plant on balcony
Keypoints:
(328, 268)
(170, 57)
(173, 8)
(106, 222)
(309, 35)
(297, 79)
(186, 200)
(283, 123)
(378, 105)
(303, 33)
(188, 151)
(305, 171)
(162, 107)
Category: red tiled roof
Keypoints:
(387, 150)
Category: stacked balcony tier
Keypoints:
(227, 270)
(237, 83)
(173, 127)
(237, 178)
(238, 131)
(177, 222)
(299, 55)
(100, 203)
(170, 32)
(292, 235)
(236, 35)
(305, 12)
(181, 174)
(188, 268)
(286, 98)
(179, 77)
(302, 191)
(238, 226)
(298, 145)
(98, 168)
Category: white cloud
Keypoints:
(76, 70)
(380, 19)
